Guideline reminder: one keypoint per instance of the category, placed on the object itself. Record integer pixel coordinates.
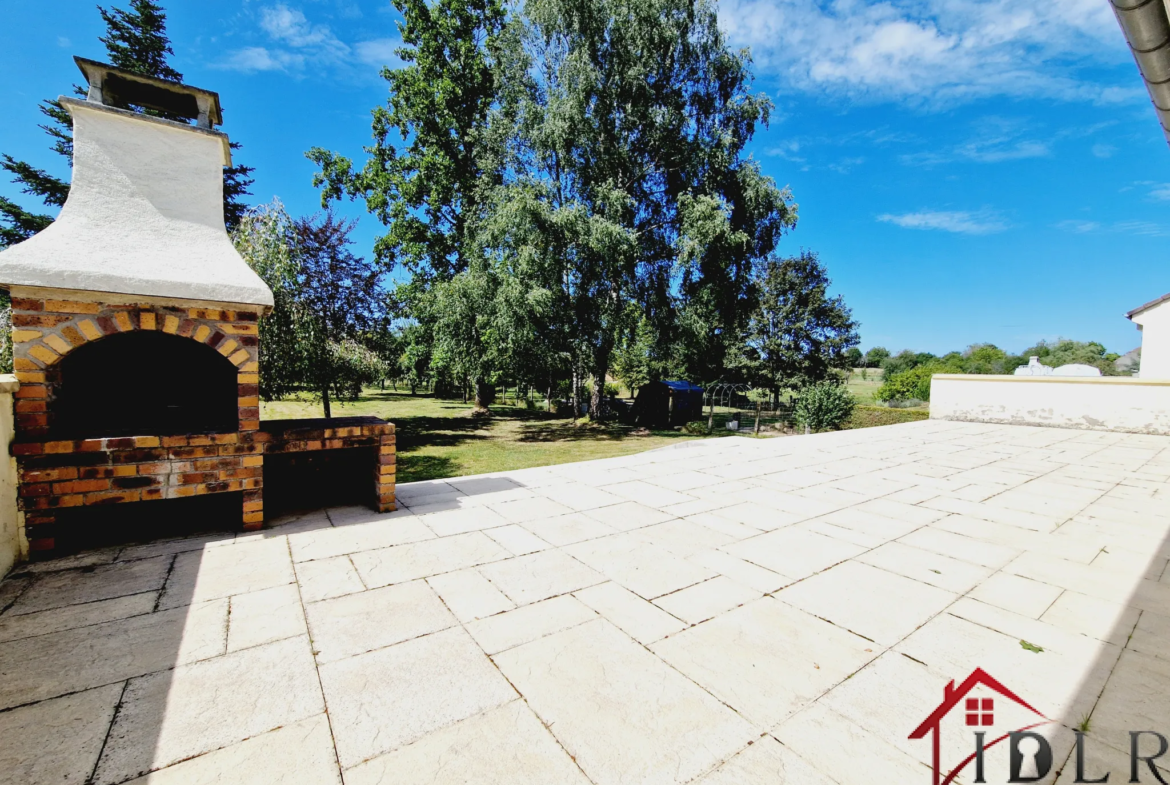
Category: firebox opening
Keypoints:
(296, 482)
(144, 383)
(101, 526)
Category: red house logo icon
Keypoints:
(977, 713)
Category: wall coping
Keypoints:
(8, 383)
(1114, 380)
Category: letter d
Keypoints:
(1042, 756)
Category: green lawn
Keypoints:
(863, 389)
(440, 438)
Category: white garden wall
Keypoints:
(12, 547)
(1095, 403)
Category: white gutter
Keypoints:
(1147, 30)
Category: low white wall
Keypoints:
(1095, 403)
(12, 546)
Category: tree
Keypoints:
(875, 356)
(798, 332)
(824, 405)
(136, 40)
(266, 239)
(853, 357)
(338, 293)
(633, 361)
(427, 185)
(1064, 351)
(629, 183)
(322, 333)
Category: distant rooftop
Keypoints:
(1148, 306)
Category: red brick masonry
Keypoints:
(57, 474)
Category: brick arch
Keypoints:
(207, 326)
(45, 331)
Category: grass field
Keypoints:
(440, 438)
(863, 389)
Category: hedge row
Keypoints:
(870, 416)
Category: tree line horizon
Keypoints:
(565, 193)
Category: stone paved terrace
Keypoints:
(727, 611)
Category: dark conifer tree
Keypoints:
(135, 40)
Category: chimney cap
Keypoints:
(119, 88)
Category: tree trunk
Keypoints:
(548, 398)
(757, 429)
(597, 402)
(412, 388)
(483, 394)
(465, 391)
(711, 416)
(576, 387)
(325, 402)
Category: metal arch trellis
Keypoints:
(726, 395)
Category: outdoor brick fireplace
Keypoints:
(135, 327)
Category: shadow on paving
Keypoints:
(1110, 678)
(89, 647)
(1126, 689)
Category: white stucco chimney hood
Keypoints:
(144, 215)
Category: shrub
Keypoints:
(914, 383)
(696, 427)
(871, 416)
(612, 390)
(823, 406)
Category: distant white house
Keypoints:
(1153, 320)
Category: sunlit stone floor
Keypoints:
(726, 611)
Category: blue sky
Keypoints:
(968, 171)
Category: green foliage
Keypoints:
(326, 305)
(5, 332)
(337, 299)
(853, 357)
(433, 160)
(136, 40)
(798, 332)
(907, 374)
(759, 395)
(875, 356)
(266, 239)
(904, 385)
(696, 427)
(872, 416)
(904, 361)
(634, 361)
(569, 189)
(1066, 352)
(823, 406)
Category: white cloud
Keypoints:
(995, 139)
(1079, 227)
(257, 58)
(379, 51)
(1161, 192)
(1104, 150)
(959, 222)
(788, 149)
(933, 52)
(1144, 228)
(293, 43)
(64, 42)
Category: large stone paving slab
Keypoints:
(721, 611)
(621, 713)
